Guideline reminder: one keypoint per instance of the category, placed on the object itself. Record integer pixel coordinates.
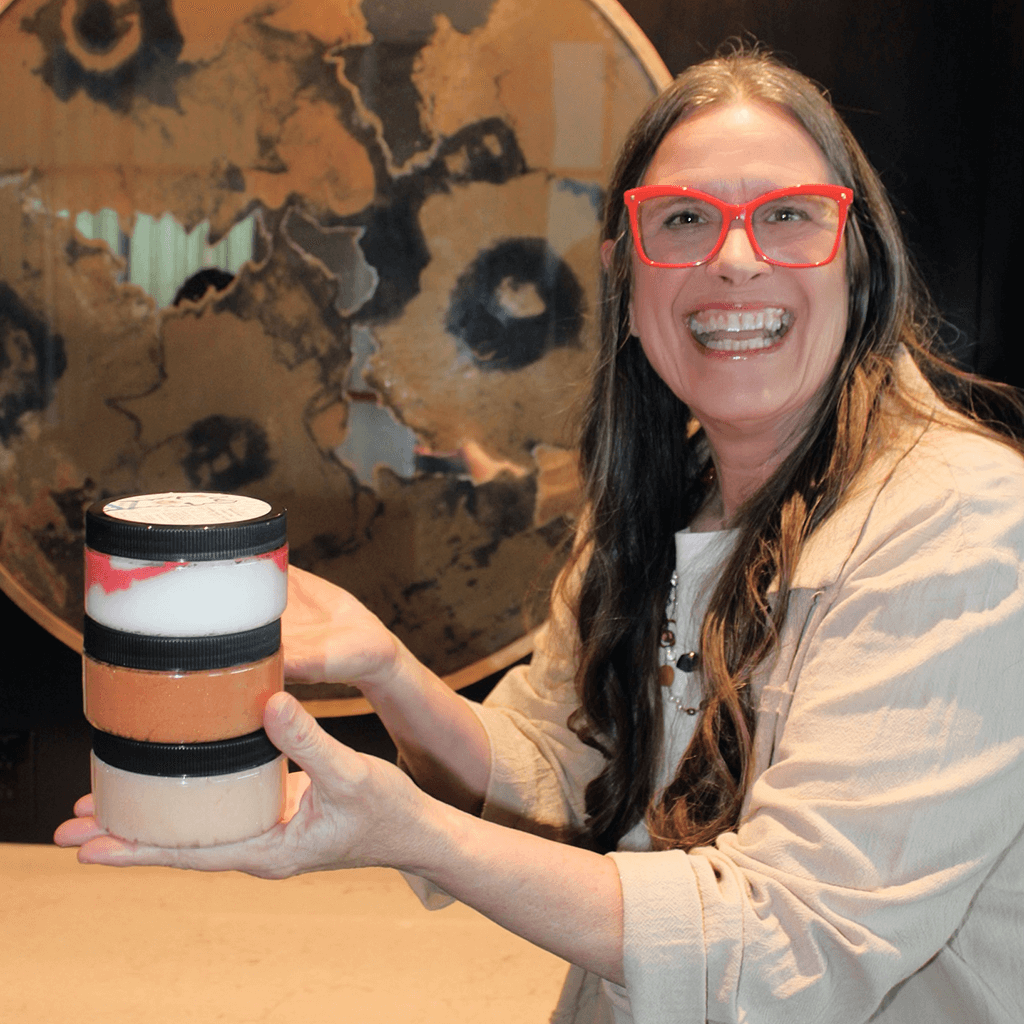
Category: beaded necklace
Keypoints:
(688, 661)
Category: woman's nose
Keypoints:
(737, 261)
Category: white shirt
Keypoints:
(699, 559)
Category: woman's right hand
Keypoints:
(328, 636)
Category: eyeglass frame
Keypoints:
(731, 212)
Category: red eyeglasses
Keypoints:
(676, 226)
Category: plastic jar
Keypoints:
(187, 794)
(185, 563)
(179, 689)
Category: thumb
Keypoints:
(297, 734)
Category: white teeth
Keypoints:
(711, 327)
(729, 345)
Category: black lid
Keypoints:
(171, 760)
(184, 526)
(179, 653)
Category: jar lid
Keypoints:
(169, 760)
(184, 526)
(179, 653)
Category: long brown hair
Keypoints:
(646, 474)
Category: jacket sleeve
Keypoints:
(539, 767)
(894, 784)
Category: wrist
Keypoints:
(432, 836)
(394, 678)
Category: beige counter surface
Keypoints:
(153, 945)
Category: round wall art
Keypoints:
(341, 257)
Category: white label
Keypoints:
(186, 508)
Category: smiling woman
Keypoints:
(760, 767)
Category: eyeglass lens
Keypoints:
(793, 229)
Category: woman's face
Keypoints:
(759, 385)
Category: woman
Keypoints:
(779, 679)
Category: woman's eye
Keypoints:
(785, 215)
(682, 218)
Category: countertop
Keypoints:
(348, 947)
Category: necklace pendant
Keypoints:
(688, 661)
(665, 675)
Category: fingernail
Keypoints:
(282, 707)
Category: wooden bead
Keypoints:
(666, 675)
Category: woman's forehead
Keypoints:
(735, 149)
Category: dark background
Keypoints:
(931, 88)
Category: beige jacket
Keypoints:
(878, 871)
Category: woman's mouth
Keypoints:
(739, 330)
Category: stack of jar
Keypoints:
(183, 599)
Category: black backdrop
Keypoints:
(932, 88)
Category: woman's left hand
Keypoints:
(345, 809)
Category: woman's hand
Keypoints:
(328, 636)
(344, 810)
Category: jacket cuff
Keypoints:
(664, 957)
